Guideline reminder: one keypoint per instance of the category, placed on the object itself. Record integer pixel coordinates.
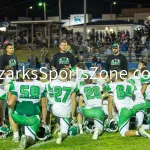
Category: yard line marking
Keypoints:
(39, 144)
(42, 143)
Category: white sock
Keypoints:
(80, 126)
(16, 134)
(98, 125)
(139, 118)
(146, 127)
(137, 133)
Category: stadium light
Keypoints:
(114, 3)
(40, 4)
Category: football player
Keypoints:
(139, 101)
(120, 93)
(24, 102)
(90, 105)
(64, 105)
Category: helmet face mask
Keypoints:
(43, 133)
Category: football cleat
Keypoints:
(59, 138)
(96, 134)
(23, 143)
(144, 133)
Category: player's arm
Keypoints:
(44, 109)
(144, 87)
(74, 104)
(110, 105)
(81, 101)
(12, 100)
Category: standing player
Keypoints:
(90, 106)
(24, 100)
(120, 93)
(64, 105)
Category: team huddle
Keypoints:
(80, 106)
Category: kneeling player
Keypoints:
(121, 93)
(24, 100)
(64, 105)
(92, 108)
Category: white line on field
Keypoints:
(42, 143)
(39, 144)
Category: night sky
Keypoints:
(94, 7)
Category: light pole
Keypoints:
(111, 7)
(27, 10)
(45, 17)
(85, 32)
(60, 33)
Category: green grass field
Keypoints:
(108, 141)
(23, 54)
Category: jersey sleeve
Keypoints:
(110, 89)
(76, 89)
(44, 90)
(3, 95)
(145, 80)
(132, 82)
(12, 89)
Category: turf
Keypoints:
(23, 54)
(108, 141)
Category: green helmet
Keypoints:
(111, 125)
(4, 131)
(43, 132)
(74, 130)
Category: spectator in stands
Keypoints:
(47, 62)
(138, 51)
(37, 63)
(99, 63)
(31, 61)
(94, 61)
(108, 51)
(55, 43)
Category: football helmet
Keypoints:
(4, 131)
(43, 132)
(111, 125)
(74, 130)
(89, 126)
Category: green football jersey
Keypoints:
(28, 95)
